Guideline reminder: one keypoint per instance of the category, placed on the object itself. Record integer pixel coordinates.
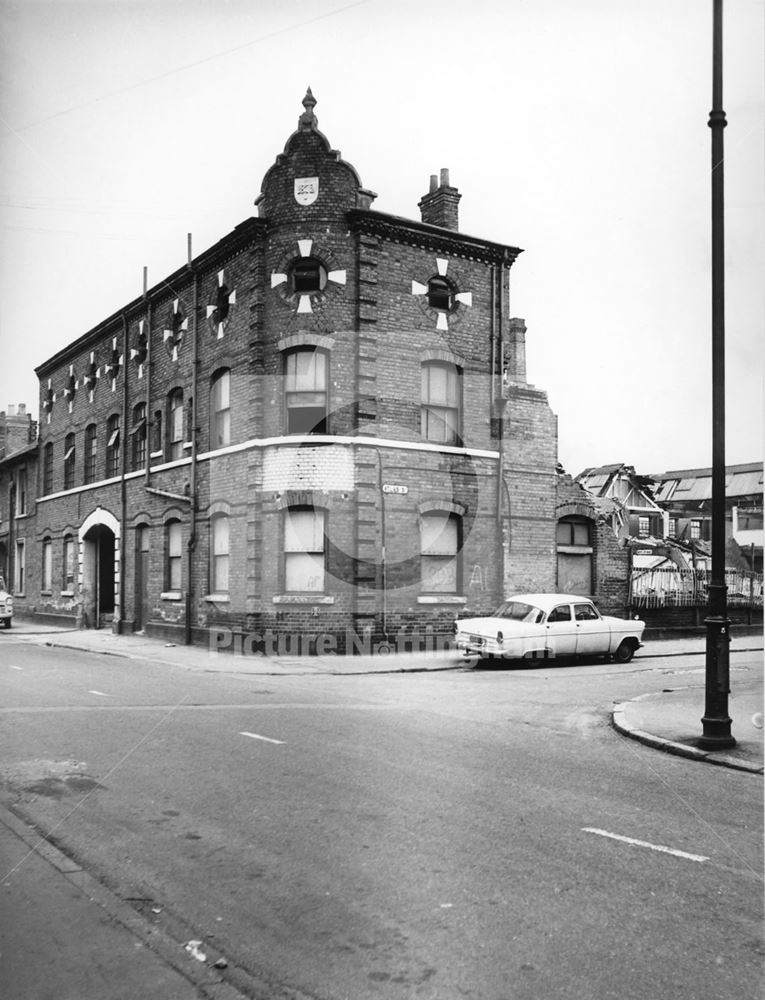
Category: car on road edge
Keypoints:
(6, 605)
(548, 626)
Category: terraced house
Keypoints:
(318, 427)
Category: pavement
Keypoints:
(64, 935)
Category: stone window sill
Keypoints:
(217, 598)
(303, 599)
(171, 595)
(441, 599)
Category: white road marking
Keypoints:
(14, 668)
(644, 843)
(254, 736)
(100, 694)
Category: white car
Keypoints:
(548, 626)
(6, 605)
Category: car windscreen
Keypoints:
(518, 611)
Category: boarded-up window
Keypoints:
(439, 545)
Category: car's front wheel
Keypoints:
(625, 651)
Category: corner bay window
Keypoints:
(304, 550)
(439, 545)
(440, 414)
(305, 388)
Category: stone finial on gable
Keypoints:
(308, 119)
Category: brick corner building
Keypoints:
(315, 431)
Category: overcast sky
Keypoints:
(575, 129)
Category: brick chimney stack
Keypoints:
(439, 206)
(17, 429)
(514, 367)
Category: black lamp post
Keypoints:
(716, 722)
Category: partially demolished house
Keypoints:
(664, 524)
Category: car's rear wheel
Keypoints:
(625, 651)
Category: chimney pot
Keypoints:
(439, 207)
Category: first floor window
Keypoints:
(174, 555)
(305, 386)
(47, 565)
(113, 446)
(220, 410)
(48, 468)
(440, 414)
(175, 425)
(219, 553)
(138, 435)
(91, 452)
(695, 529)
(439, 545)
(21, 491)
(69, 462)
(304, 550)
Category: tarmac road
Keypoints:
(440, 835)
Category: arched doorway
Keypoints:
(99, 581)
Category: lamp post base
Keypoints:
(716, 722)
(717, 734)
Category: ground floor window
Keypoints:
(439, 545)
(68, 574)
(174, 555)
(46, 582)
(219, 554)
(304, 550)
(20, 567)
(574, 550)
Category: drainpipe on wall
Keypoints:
(149, 415)
(117, 625)
(499, 395)
(193, 484)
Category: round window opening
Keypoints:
(307, 275)
(441, 295)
